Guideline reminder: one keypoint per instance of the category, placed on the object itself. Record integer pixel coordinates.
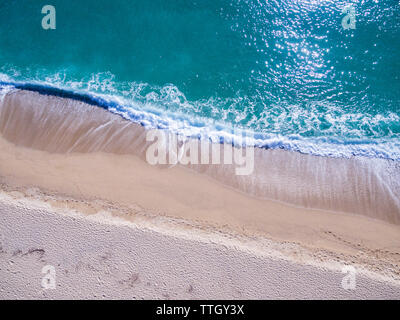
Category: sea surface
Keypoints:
(287, 73)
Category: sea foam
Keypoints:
(151, 115)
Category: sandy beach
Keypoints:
(100, 257)
(77, 193)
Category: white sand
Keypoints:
(97, 258)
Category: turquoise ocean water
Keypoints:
(285, 71)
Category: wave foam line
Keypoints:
(152, 118)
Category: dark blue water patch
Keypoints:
(62, 93)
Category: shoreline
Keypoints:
(311, 210)
(152, 119)
(362, 186)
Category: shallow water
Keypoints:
(287, 71)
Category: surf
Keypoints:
(152, 116)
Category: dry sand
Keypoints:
(104, 258)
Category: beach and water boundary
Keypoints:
(59, 123)
(306, 206)
(76, 156)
